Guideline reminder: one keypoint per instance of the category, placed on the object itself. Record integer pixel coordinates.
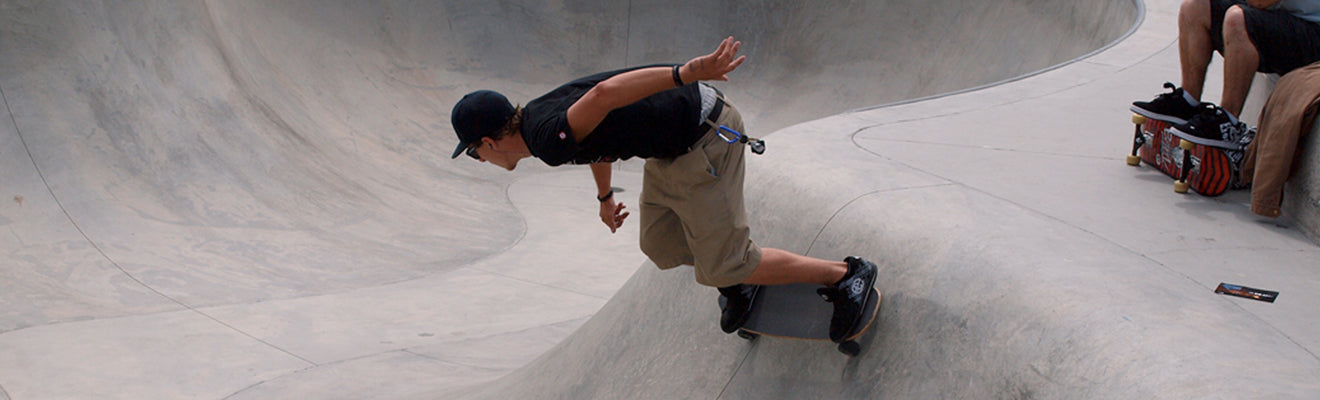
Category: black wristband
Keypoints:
(678, 80)
(607, 196)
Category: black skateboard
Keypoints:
(796, 312)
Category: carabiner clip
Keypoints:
(758, 145)
(736, 135)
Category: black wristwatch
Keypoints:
(607, 196)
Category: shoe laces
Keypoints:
(1172, 88)
(1173, 91)
(1207, 114)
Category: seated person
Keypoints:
(1270, 36)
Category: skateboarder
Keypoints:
(692, 209)
(1271, 36)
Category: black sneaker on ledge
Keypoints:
(849, 297)
(1172, 106)
(737, 306)
(1212, 126)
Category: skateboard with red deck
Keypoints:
(1207, 170)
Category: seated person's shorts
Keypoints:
(1284, 41)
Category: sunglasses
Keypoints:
(472, 151)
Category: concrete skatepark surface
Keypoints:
(252, 199)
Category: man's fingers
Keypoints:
(615, 219)
(618, 222)
(619, 215)
(717, 64)
(729, 48)
(612, 224)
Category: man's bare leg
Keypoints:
(780, 267)
(1194, 46)
(1240, 61)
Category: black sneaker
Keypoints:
(1170, 106)
(849, 297)
(737, 305)
(1212, 127)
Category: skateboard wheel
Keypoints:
(1185, 145)
(1133, 160)
(747, 335)
(1180, 186)
(1138, 119)
(851, 348)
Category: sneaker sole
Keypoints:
(1204, 141)
(1154, 115)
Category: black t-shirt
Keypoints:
(663, 125)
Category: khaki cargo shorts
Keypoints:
(692, 210)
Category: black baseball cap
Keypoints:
(479, 114)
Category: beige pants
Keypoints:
(692, 210)
(1284, 124)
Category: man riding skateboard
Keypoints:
(692, 209)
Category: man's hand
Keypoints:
(714, 66)
(612, 214)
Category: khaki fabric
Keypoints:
(692, 210)
(1284, 124)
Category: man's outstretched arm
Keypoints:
(629, 87)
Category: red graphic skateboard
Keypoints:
(1207, 170)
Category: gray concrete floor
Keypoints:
(251, 199)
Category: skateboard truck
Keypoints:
(757, 145)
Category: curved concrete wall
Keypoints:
(997, 286)
(806, 59)
(159, 153)
(248, 198)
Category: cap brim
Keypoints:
(459, 150)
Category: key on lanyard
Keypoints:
(757, 145)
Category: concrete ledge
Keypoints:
(1301, 196)
(1301, 200)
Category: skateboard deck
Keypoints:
(1207, 170)
(795, 311)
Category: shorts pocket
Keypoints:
(695, 168)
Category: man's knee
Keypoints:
(1234, 31)
(1235, 23)
(1195, 12)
